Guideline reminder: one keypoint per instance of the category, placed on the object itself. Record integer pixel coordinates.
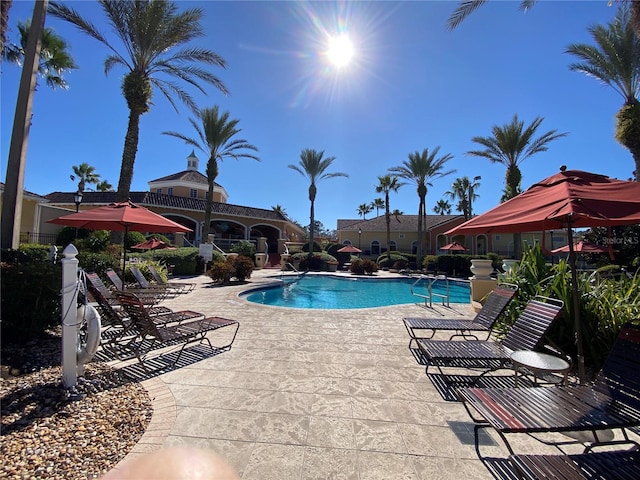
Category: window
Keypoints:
(170, 191)
(497, 237)
(375, 247)
(206, 195)
(401, 236)
(193, 193)
(393, 246)
(159, 191)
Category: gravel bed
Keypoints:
(46, 433)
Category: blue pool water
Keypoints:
(321, 291)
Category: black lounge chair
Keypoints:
(148, 297)
(614, 465)
(485, 319)
(611, 403)
(150, 337)
(526, 333)
(145, 285)
(181, 287)
(115, 319)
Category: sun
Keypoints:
(340, 50)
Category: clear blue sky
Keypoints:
(411, 84)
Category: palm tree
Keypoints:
(388, 183)
(377, 203)
(85, 173)
(216, 134)
(363, 209)
(510, 145)
(615, 61)
(442, 207)
(55, 58)
(104, 186)
(420, 169)
(467, 7)
(464, 190)
(153, 37)
(397, 213)
(313, 167)
(280, 210)
(5, 5)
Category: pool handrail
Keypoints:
(429, 296)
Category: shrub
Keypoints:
(239, 268)
(316, 247)
(400, 264)
(243, 267)
(221, 272)
(133, 238)
(30, 299)
(363, 265)
(97, 262)
(387, 262)
(70, 235)
(246, 248)
(317, 263)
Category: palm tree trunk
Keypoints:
(128, 157)
(311, 231)
(388, 219)
(14, 180)
(208, 206)
(420, 226)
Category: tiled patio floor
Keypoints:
(317, 394)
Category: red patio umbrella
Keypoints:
(582, 247)
(120, 217)
(569, 199)
(349, 249)
(453, 247)
(153, 244)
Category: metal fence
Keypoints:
(41, 238)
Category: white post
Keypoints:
(69, 308)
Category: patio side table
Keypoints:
(538, 363)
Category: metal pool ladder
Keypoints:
(430, 295)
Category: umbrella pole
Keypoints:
(576, 305)
(124, 254)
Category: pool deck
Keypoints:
(318, 394)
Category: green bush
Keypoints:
(361, 266)
(316, 247)
(30, 299)
(246, 248)
(604, 305)
(71, 235)
(133, 238)
(97, 262)
(239, 268)
(317, 263)
(26, 252)
(385, 261)
(243, 267)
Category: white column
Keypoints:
(69, 308)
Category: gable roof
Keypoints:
(152, 199)
(191, 176)
(404, 223)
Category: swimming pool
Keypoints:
(332, 292)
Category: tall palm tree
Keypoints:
(473, 185)
(313, 167)
(460, 190)
(55, 59)
(84, 173)
(615, 61)
(104, 186)
(420, 169)
(5, 5)
(280, 210)
(510, 145)
(377, 203)
(153, 36)
(386, 184)
(363, 209)
(216, 134)
(442, 207)
(397, 213)
(467, 7)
